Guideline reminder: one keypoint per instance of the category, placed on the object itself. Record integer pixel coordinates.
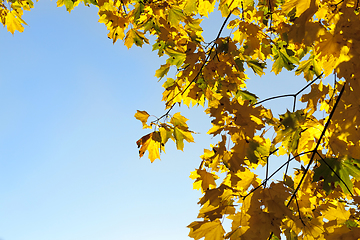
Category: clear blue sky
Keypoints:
(69, 165)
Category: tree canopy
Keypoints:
(314, 38)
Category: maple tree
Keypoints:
(314, 38)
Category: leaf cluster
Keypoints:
(319, 199)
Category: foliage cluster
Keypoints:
(315, 38)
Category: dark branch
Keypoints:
(335, 173)
(317, 144)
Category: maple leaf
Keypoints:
(204, 179)
(291, 131)
(256, 66)
(69, 4)
(135, 36)
(175, 15)
(151, 143)
(300, 6)
(14, 22)
(337, 172)
(162, 71)
(143, 117)
(340, 214)
(211, 230)
(181, 131)
(284, 58)
(176, 58)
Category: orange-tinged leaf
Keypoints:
(210, 230)
(143, 144)
(152, 143)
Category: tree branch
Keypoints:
(317, 144)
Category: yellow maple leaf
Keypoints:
(340, 214)
(204, 179)
(151, 143)
(143, 117)
(300, 5)
(210, 230)
(14, 22)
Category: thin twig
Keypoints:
(297, 204)
(165, 114)
(206, 60)
(335, 174)
(317, 144)
(254, 189)
(290, 95)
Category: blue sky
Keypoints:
(69, 165)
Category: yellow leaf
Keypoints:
(204, 179)
(179, 121)
(210, 230)
(180, 136)
(152, 143)
(14, 22)
(143, 117)
(339, 214)
(134, 36)
(300, 5)
(205, 7)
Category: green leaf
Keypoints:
(332, 168)
(179, 121)
(175, 15)
(190, 7)
(169, 82)
(160, 46)
(69, 4)
(135, 36)
(162, 71)
(246, 95)
(257, 152)
(283, 60)
(290, 235)
(256, 66)
(239, 64)
(138, 10)
(180, 136)
(290, 130)
(309, 68)
(176, 58)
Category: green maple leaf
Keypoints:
(256, 66)
(175, 58)
(175, 16)
(180, 136)
(336, 172)
(246, 95)
(139, 9)
(69, 4)
(162, 71)
(309, 68)
(284, 58)
(291, 130)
